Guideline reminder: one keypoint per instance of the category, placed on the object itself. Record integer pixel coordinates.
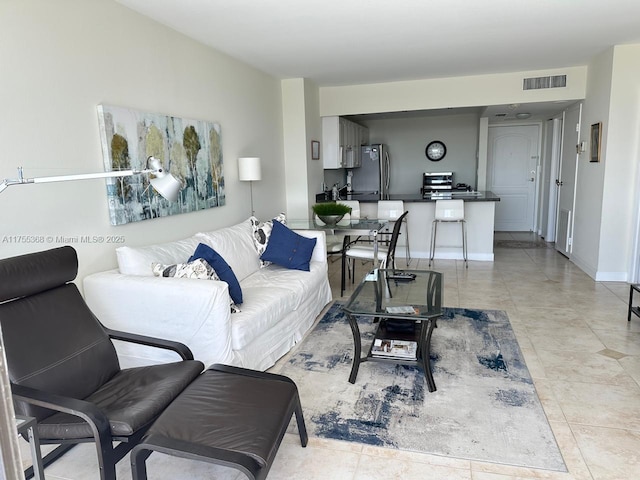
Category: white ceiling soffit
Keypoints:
(342, 42)
(530, 112)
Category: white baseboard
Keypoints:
(597, 275)
(478, 257)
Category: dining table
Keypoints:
(370, 227)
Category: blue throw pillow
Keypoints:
(221, 267)
(288, 249)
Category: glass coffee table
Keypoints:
(405, 305)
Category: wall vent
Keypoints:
(553, 81)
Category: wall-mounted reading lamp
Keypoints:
(164, 183)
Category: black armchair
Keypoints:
(63, 367)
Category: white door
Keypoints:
(511, 174)
(567, 178)
(552, 188)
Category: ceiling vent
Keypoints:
(553, 81)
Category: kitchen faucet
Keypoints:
(340, 190)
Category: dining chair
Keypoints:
(355, 250)
(391, 210)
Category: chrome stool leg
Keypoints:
(464, 243)
(432, 246)
(408, 250)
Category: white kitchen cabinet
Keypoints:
(341, 141)
(351, 145)
(364, 134)
(331, 142)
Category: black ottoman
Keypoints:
(229, 416)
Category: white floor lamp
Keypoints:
(249, 171)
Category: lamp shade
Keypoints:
(168, 186)
(164, 183)
(249, 169)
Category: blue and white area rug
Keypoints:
(485, 407)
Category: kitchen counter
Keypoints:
(479, 215)
(485, 196)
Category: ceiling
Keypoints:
(342, 42)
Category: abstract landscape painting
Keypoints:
(191, 150)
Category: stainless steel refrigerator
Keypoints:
(373, 175)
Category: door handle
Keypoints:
(532, 179)
(559, 183)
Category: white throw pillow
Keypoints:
(235, 245)
(138, 260)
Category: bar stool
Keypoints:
(449, 211)
(391, 210)
(355, 207)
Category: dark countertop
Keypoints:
(485, 196)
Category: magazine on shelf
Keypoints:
(394, 349)
(408, 309)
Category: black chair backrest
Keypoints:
(391, 253)
(52, 340)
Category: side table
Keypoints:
(28, 425)
(635, 310)
(406, 298)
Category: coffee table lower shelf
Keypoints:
(421, 335)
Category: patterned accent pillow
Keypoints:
(262, 232)
(199, 269)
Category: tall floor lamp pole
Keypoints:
(249, 171)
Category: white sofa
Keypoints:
(279, 304)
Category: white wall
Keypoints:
(293, 113)
(301, 123)
(606, 196)
(407, 139)
(621, 146)
(483, 151)
(589, 185)
(59, 60)
(471, 91)
(315, 172)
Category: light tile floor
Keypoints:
(582, 353)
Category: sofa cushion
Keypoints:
(235, 245)
(262, 233)
(222, 268)
(138, 260)
(302, 284)
(288, 249)
(264, 307)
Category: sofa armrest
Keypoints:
(193, 312)
(320, 250)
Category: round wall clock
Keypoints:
(435, 151)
